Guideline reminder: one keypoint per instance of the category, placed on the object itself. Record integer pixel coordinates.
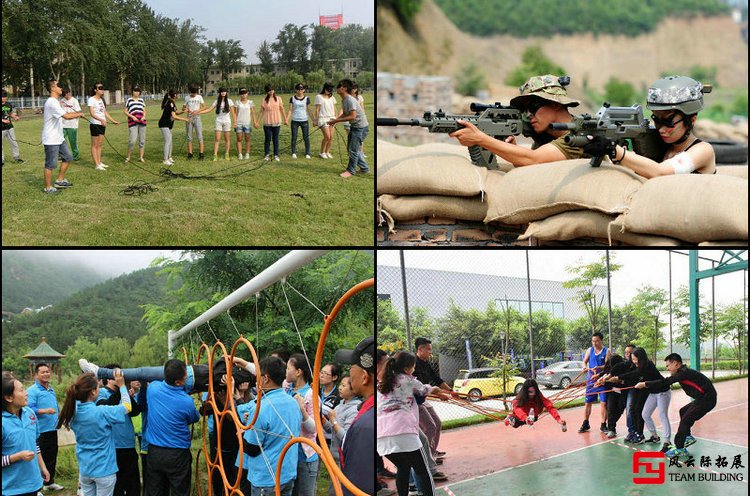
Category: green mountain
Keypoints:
(33, 279)
(108, 309)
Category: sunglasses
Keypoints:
(534, 107)
(665, 122)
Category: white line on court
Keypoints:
(575, 450)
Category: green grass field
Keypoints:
(291, 202)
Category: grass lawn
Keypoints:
(291, 202)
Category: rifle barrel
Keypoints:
(388, 121)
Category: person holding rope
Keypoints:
(135, 109)
(98, 124)
(194, 105)
(278, 419)
(531, 398)
(397, 435)
(617, 398)
(23, 467)
(53, 139)
(645, 370)
(93, 427)
(299, 376)
(225, 119)
(70, 126)
(169, 114)
(593, 362)
(355, 115)
(429, 421)
(697, 386)
(43, 401)
(299, 114)
(245, 109)
(10, 115)
(325, 110)
(273, 115)
(358, 446)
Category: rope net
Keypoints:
(229, 410)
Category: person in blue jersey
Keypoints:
(43, 401)
(593, 362)
(128, 479)
(23, 467)
(279, 419)
(358, 449)
(93, 427)
(299, 376)
(170, 412)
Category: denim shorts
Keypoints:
(243, 128)
(51, 153)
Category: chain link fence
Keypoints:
(498, 318)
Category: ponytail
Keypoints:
(167, 96)
(79, 390)
(395, 365)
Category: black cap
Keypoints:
(363, 355)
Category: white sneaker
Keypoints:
(100, 167)
(54, 487)
(307, 156)
(239, 157)
(323, 155)
(267, 158)
(104, 165)
(276, 158)
(329, 155)
(166, 162)
(87, 367)
(294, 155)
(247, 156)
(126, 161)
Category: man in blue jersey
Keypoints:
(170, 412)
(43, 402)
(594, 363)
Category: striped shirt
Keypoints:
(135, 107)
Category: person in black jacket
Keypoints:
(613, 367)
(429, 422)
(645, 370)
(695, 385)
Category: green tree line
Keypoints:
(122, 43)
(523, 18)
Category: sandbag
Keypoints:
(420, 171)
(413, 207)
(690, 207)
(587, 224)
(535, 192)
(733, 170)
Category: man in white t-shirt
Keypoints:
(54, 140)
(194, 105)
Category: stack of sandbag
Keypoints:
(694, 208)
(430, 180)
(709, 130)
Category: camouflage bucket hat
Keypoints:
(547, 87)
(677, 93)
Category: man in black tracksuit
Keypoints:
(695, 385)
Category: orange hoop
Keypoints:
(319, 451)
(316, 386)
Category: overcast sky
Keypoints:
(640, 267)
(253, 21)
(111, 263)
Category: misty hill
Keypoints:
(35, 279)
(433, 45)
(108, 309)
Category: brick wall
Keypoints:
(409, 97)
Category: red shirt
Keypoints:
(522, 412)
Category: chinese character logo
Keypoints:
(654, 467)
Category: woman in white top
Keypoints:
(98, 124)
(325, 110)
(245, 111)
(225, 117)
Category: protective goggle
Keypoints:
(665, 121)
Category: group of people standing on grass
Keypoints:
(62, 111)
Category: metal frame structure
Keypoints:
(284, 266)
(731, 261)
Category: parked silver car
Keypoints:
(560, 374)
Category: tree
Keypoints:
(649, 302)
(533, 63)
(291, 47)
(619, 93)
(585, 285)
(265, 55)
(229, 55)
(730, 324)
(470, 79)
